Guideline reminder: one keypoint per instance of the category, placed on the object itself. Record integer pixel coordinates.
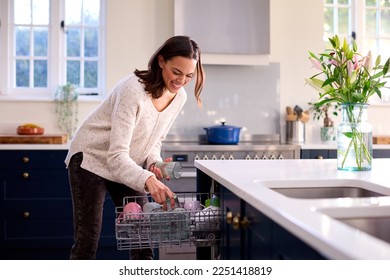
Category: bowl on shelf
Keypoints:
(27, 130)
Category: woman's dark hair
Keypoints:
(174, 46)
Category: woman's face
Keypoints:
(177, 72)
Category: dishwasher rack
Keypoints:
(172, 228)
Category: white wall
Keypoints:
(137, 27)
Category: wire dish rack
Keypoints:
(171, 228)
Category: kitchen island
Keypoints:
(319, 222)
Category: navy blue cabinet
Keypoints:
(36, 208)
(248, 234)
(318, 154)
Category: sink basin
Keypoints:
(375, 226)
(373, 220)
(323, 189)
(326, 192)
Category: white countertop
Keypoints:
(251, 180)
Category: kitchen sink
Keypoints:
(373, 220)
(326, 192)
(375, 226)
(324, 189)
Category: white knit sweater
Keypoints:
(123, 135)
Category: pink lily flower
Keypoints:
(367, 61)
(316, 64)
(350, 67)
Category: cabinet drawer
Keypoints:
(32, 159)
(25, 221)
(34, 184)
(46, 223)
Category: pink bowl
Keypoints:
(133, 209)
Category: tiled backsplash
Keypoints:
(244, 96)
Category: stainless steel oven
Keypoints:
(187, 150)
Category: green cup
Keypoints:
(215, 201)
(207, 202)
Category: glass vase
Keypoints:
(354, 143)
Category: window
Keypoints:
(81, 27)
(377, 29)
(368, 19)
(51, 43)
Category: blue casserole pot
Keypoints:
(223, 134)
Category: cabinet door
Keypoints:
(287, 246)
(243, 27)
(315, 154)
(381, 153)
(32, 159)
(232, 247)
(257, 235)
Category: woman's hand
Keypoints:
(157, 171)
(159, 192)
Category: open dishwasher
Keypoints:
(174, 228)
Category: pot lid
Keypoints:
(223, 126)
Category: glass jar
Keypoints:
(354, 142)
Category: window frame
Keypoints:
(56, 55)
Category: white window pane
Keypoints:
(40, 41)
(22, 69)
(329, 20)
(73, 39)
(385, 3)
(91, 42)
(344, 20)
(22, 11)
(40, 73)
(90, 74)
(41, 12)
(22, 41)
(73, 72)
(73, 10)
(91, 12)
(385, 22)
(370, 21)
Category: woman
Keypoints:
(115, 149)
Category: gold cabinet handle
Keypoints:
(25, 175)
(25, 159)
(244, 222)
(236, 221)
(26, 214)
(229, 217)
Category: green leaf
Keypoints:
(348, 134)
(386, 67)
(377, 60)
(354, 46)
